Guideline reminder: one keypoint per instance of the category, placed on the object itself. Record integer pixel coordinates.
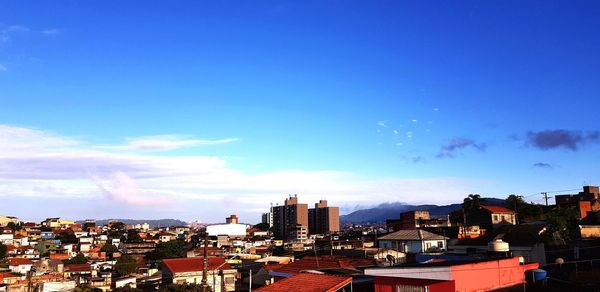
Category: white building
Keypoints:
(231, 230)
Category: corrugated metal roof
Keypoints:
(415, 235)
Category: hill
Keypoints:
(392, 211)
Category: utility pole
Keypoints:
(545, 197)
(204, 283)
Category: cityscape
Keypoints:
(275, 145)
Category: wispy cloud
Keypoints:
(51, 32)
(50, 167)
(560, 138)
(382, 124)
(453, 146)
(8, 32)
(165, 143)
(3, 68)
(543, 165)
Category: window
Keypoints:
(495, 217)
(440, 244)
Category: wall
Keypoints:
(590, 231)
(388, 284)
(489, 275)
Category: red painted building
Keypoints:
(482, 275)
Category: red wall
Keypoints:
(388, 284)
(489, 275)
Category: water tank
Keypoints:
(498, 246)
(535, 275)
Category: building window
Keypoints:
(440, 244)
(495, 218)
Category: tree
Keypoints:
(133, 236)
(473, 201)
(125, 265)
(262, 226)
(3, 251)
(14, 226)
(169, 249)
(67, 237)
(78, 259)
(561, 224)
(524, 210)
(109, 249)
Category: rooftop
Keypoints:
(184, 265)
(308, 282)
(416, 235)
(497, 209)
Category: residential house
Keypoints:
(477, 275)
(413, 241)
(189, 270)
(583, 202)
(20, 265)
(490, 217)
(310, 283)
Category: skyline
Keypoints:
(197, 110)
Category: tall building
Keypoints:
(323, 219)
(233, 219)
(290, 221)
(268, 218)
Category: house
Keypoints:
(583, 202)
(167, 236)
(476, 275)
(310, 283)
(525, 240)
(415, 220)
(129, 281)
(189, 270)
(322, 263)
(413, 241)
(490, 217)
(20, 265)
(4, 220)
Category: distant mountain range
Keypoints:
(152, 222)
(393, 210)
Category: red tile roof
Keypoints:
(308, 283)
(323, 262)
(184, 265)
(497, 209)
(78, 268)
(19, 261)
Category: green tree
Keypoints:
(262, 226)
(14, 226)
(78, 259)
(524, 210)
(561, 224)
(473, 201)
(109, 249)
(169, 249)
(67, 237)
(3, 251)
(133, 236)
(125, 265)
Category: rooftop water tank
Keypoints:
(498, 246)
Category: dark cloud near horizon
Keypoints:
(560, 138)
(457, 144)
(543, 165)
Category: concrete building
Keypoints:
(477, 275)
(290, 221)
(413, 241)
(233, 219)
(491, 217)
(323, 219)
(583, 202)
(268, 218)
(189, 271)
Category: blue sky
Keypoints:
(195, 110)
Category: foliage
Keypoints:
(562, 223)
(117, 230)
(524, 210)
(67, 237)
(125, 265)
(14, 227)
(78, 259)
(473, 201)
(169, 249)
(262, 226)
(3, 250)
(109, 249)
(182, 288)
(133, 236)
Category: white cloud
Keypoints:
(51, 32)
(7, 32)
(3, 68)
(381, 124)
(165, 143)
(39, 164)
